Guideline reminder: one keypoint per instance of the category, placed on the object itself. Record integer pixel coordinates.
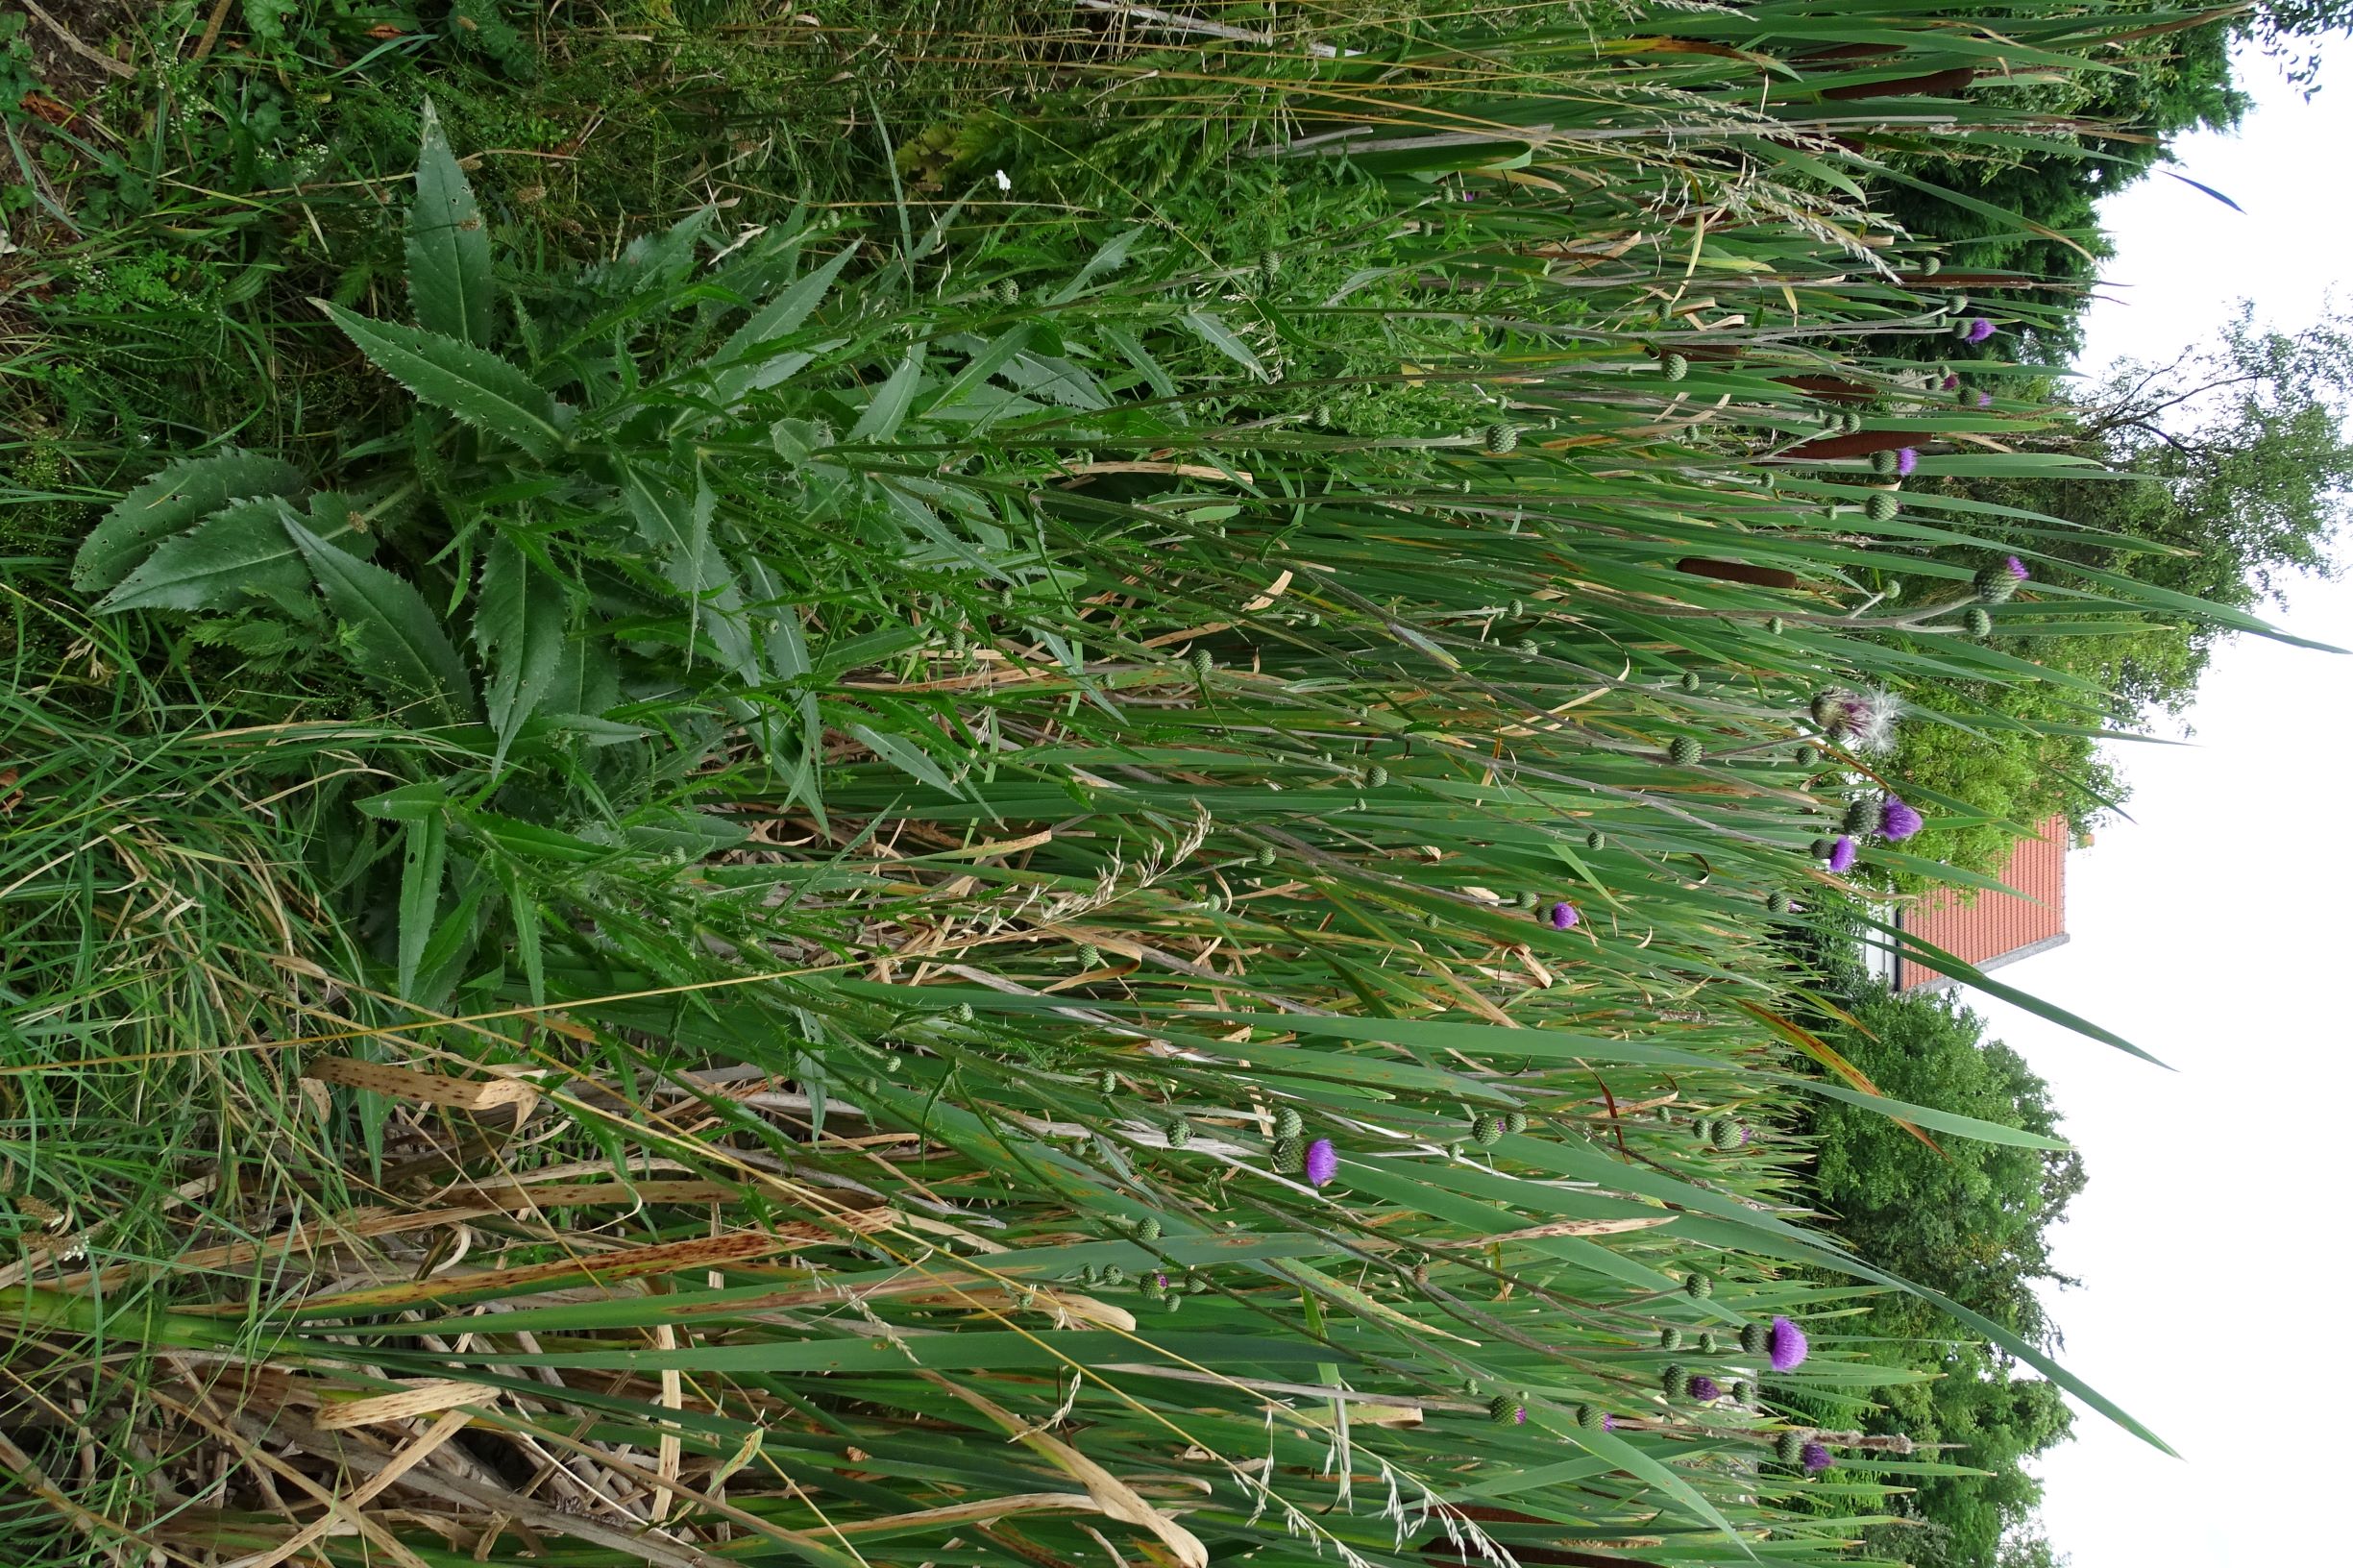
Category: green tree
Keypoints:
(2231, 474)
(1971, 1220)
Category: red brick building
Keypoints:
(1994, 928)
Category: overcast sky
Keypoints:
(2213, 931)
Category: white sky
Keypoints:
(2213, 931)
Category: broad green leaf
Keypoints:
(1213, 331)
(891, 400)
(447, 245)
(171, 501)
(741, 365)
(472, 384)
(424, 842)
(236, 556)
(521, 622)
(400, 647)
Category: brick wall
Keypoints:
(1992, 928)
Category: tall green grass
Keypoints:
(746, 971)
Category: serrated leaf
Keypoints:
(402, 648)
(520, 625)
(450, 284)
(169, 501)
(1219, 336)
(739, 367)
(239, 553)
(679, 530)
(472, 384)
(907, 757)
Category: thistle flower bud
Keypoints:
(1883, 461)
(1777, 625)
(1729, 1135)
(1814, 1459)
(1270, 268)
(1515, 1121)
(1776, 903)
(1590, 1417)
(1851, 421)
(1180, 1133)
(1266, 854)
(1705, 1129)
(1106, 1081)
(1674, 367)
(1740, 1392)
(1691, 680)
(1979, 621)
(1755, 1339)
(961, 1012)
(1670, 1337)
(1676, 1379)
(1828, 711)
(1487, 1131)
(1684, 752)
(1286, 1156)
(1506, 1411)
(1862, 816)
(1377, 777)
(1956, 304)
(1518, 610)
(1196, 1284)
(1698, 1288)
(1288, 1122)
(1807, 756)
(1113, 1274)
(1500, 439)
(1821, 849)
(1009, 290)
(1147, 1228)
(1203, 662)
(1997, 581)
(1322, 416)
(1090, 956)
(1881, 507)
(1709, 1344)
(1705, 1389)
(1930, 266)
(1790, 1447)
(1595, 839)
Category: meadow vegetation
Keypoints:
(997, 780)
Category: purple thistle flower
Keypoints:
(1815, 1458)
(1161, 1280)
(1980, 329)
(1785, 1345)
(2016, 568)
(1705, 1389)
(1610, 1423)
(1906, 461)
(1323, 1161)
(1842, 854)
(1897, 821)
(1985, 400)
(1953, 384)
(1564, 916)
